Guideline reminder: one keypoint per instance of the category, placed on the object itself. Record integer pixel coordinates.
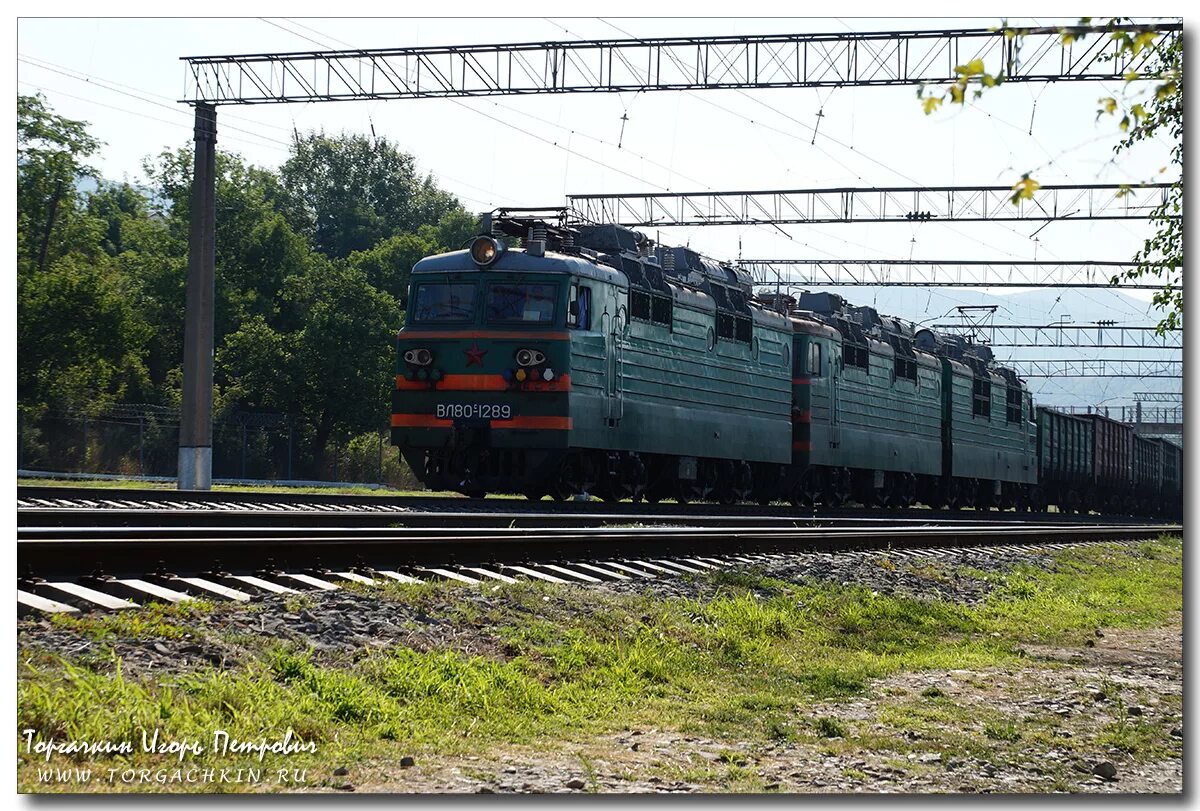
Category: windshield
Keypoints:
(444, 302)
(527, 303)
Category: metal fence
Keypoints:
(249, 446)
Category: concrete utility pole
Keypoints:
(195, 426)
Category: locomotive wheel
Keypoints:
(572, 478)
(720, 476)
(837, 488)
(1025, 499)
(968, 494)
(888, 495)
(931, 493)
(636, 478)
(808, 490)
(905, 491)
(743, 482)
(766, 480)
(953, 495)
(686, 491)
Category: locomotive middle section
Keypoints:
(589, 359)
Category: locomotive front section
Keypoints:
(483, 370)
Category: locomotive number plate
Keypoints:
(473, 411)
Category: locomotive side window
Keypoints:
(526, 303)
(573, 306)
(661, 309)
(724, 325)
(743, 330)
(814, 360)
(981, 398)
(444, 302)
(856, 355)
(1012, 411)
(904, 367)
(639, 305)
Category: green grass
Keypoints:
(155, 621)
(743, 665)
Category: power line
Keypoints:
(173, 108)
(134, 112)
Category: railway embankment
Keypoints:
(972, 670)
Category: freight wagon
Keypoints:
(1065, 465)
(1112, 464)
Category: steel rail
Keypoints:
(40, 554)
(188, 520)
(44, 505)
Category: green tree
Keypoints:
(81, 337)
(80, 333)
(255, 364)
(51, 151)
(342, 355)
(1150, 105)
(388, 265)
(1161, 114)
(117, 206)
(352, 192)
(257, 248)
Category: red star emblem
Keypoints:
(475, 354)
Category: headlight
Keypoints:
(484, 250)
(418, 357)
(529, 357)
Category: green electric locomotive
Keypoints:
(889, 415)
(555, 359)
(583, 361)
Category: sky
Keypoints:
(125, 77)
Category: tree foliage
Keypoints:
(312, 268)
(1151, 105)
(352, 191)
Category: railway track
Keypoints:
(50, 505)
(71, 567)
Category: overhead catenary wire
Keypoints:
(141, 95)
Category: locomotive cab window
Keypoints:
(579, 307)
(521, 302)
(981, 398)
(439, 302)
